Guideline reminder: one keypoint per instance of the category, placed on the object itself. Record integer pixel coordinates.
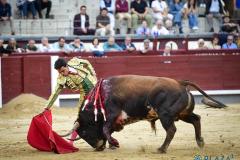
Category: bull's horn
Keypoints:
(76, 139)
(75, 126)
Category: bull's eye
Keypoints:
(84, 133)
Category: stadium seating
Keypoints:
(62, 24)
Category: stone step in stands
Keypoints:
(40, 27)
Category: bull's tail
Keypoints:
(207, 99)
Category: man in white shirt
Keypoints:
(146, 46)
(45, 46)
(81, 23)
(159, 29)
(160, 10)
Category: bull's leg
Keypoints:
(169, 126)
(107, 131)
(108, 126)
(194, 119)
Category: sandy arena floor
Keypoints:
(220, 129)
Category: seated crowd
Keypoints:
(156, 17)
(99, 49)
(142, 17)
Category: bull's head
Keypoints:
(90, 130)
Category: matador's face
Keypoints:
(63, 71)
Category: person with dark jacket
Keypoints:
(81, 23)
(42, 4)
(2, 49)
(13, 47)
(128, 45)
(229, 26)
(6, 14)
(214, 9)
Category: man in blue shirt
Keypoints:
(61, 46)
(229, 44)
(6, 14)
(110, 45)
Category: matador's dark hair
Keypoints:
(60, 63)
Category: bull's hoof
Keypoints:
(200, 142)
(101, 145)
(113, 142)
(113, 147)
(101, 148)
(162, 150)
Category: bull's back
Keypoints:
(130, 85)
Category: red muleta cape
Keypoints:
(42, 137)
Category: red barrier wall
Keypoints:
(12, 77)
(31, 74)
(25, 75)
(37, 73)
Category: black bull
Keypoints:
(131, 98)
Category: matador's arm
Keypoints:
(54, 96)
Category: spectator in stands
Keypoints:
(229, 44)
(201, 44)
(31, 7)
(110, 5)
(214, 44)
(160, 10)
(128, 45)
(122, 13)
(237, 4)
(41, 5)
(13, 47)
(2, 48)
(31, 47)
(96, 49)
(143, 30)
(229, 27)
(45, 46)
(111, 45)
(149, 2)
(22, 7)
(169, 26)
(6, 14)
(214, 9)
(139, 10)
(146, 46)
(238, 40)
(176, 9)
(103, 24)
(167, 50)
(77, 45)
(81, 23)
(61, 46)
(159, 29)
(190, 11)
